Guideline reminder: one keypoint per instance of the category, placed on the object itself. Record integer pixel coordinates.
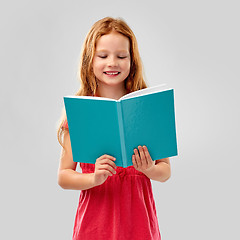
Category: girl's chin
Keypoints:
(111, 83)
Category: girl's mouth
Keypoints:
(111, 73)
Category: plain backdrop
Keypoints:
(192, 46)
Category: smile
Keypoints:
(112, 73)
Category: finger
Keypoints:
(107, 167)
(108, 157)
(147, 154)
(142, 155)
(105, 173)
(107, 161)
(105, 157)
(134, 161)
(138, 160)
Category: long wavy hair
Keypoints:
(88, 83)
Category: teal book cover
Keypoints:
(100, 126)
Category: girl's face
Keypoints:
(111, 62)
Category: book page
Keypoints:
(91, 98)
(145, 91)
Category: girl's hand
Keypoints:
(104, 167)
(142, 160)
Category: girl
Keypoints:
(115, 203)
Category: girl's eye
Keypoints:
(102, 56)
(121, 57)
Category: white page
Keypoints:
(142, 92)
(145, 91)
(92, 98)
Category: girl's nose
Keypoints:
(112, 62)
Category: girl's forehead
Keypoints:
(113, 40)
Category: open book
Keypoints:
(100, 126)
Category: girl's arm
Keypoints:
(161, 171)
(69, 178)
(158, 170)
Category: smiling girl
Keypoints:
(115, 203)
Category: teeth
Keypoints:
(115, 73)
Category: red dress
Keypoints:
(122, 208)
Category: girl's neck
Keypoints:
(113, 92)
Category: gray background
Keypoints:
(192, 46)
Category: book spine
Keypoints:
(121, 133)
